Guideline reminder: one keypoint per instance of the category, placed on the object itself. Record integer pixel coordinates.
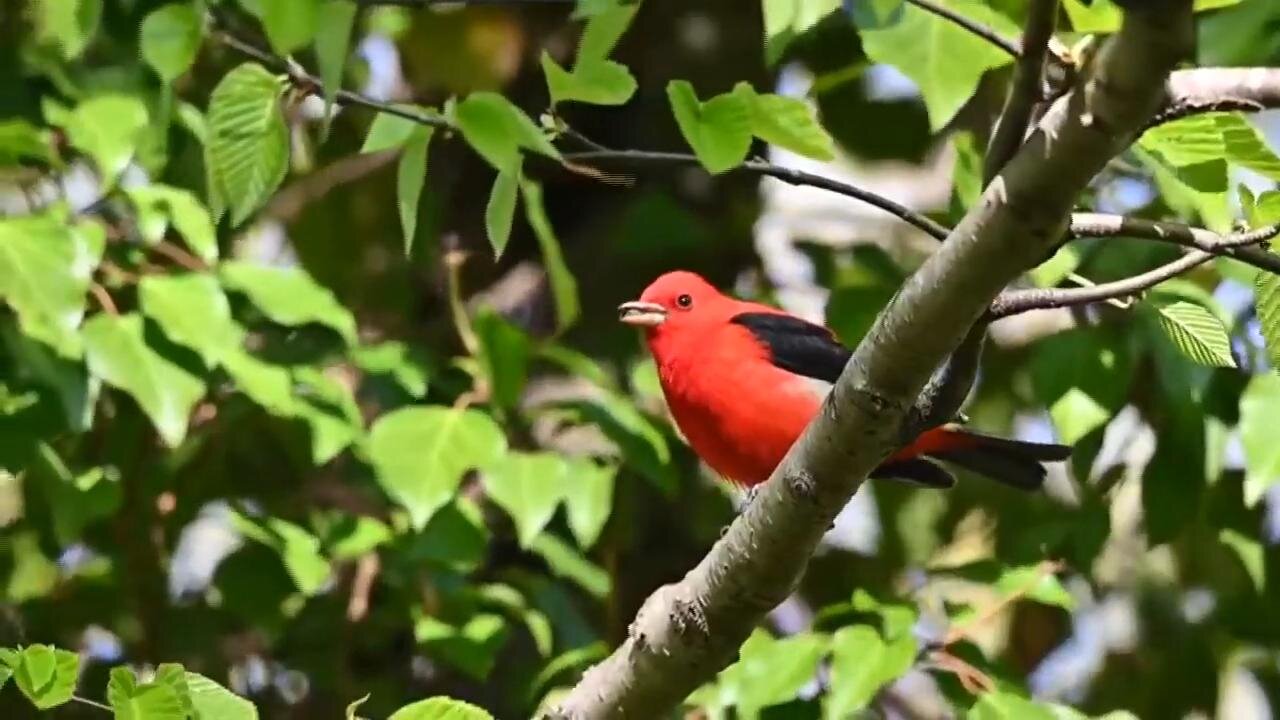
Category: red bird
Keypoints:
(738, 378)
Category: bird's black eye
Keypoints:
(685, 301)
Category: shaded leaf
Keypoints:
(588, 498)
(181, 208)
(500, 211)
(862, 663)
(192, 310)
(299, 550)
(569, 563)
(170, 39)
(1259, 418)
(1006, 706)
(333, 43)
(420, 454)
(411, 175)
(792, 124)
(20, 140)
(118, 352)
(504, 355)
(397, 360)
(290, 24)
(1251, 554)
(472, 647)
(564, 288)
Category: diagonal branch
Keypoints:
(1026, 89)
(1190, 92)
(688, 631)
(1020, 301)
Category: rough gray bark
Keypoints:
(688, 631)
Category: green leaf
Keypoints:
(605, 27)
(588, 498)
(45, 270)
(420, 454)
(785, 20)
(411, 175)
(389, 131)
(119, 354)
(504, 355)
(6, 671)
(862, 663)
(33, 575)
(289, 296)
(1102, 17)
(771, 671)
(354, 705)
(181, 208)
(20, 140)
(472, 648)
(440, 708)
(46, 675)
(108, 129)
(790, 123)
(358, 537)
(569, 563)
(150, 701)
(497, 130)
(718, 130)
(398, 361)
(1265, 210)
(247, 153)
(1251, 554)
(1266, 286)
(290, 24)
(564, 288)
(1196, 333)
(333, 44)
(1259, 418)
(1083, 377)
(1006, 706)
(500, 211)
(945, 60)
(1213, 136)
(597, 82)
(75, 501)
(1031, 582)
(68, 24)
(299, 550)
(528, 487)
(214, 702)
(643, 446)
(170, 39)
(192, 310)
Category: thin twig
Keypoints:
(1241, 245)
(977, 28)
(760, 167)
(1014, 302)
(311, 84)
(104, 299)
(91, 703)
(1044, 569)
(1026, 89)
(179, 256)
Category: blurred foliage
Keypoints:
(308, 406)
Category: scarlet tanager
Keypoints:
(738, 378)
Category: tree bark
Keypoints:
(688, 631)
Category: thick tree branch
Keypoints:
(688, 631)
(1026, 89)
(1190, 92)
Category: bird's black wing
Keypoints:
(797, 345)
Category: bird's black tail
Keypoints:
(1015, 463)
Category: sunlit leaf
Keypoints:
(46, 675)
(771, 671)
(1259, 418)
(214, 702)
(440, 708)
(498, 130)
(605, 26)
(1196, 333)
(598, 82)
(389, 131)
(289, 296)
(564, 288)
(118, 352)
(718, 130)
(148, 701)
(529, 488)
(68, 24)
(20, 140)
(862, 663)
(1083, 378)
(299, 550)
(397, 360)
(569, 563)
(247, 153)
(333, 43)
(945, 60)
(420, 454)
(290, 24)
(1006, 706)
(790, 123)
(588, 498)
(1251, 554)
(181, 208)
(108, 128)
(44, 275)
(471, 647)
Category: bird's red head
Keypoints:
(678, 299)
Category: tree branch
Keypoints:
(1020, 301)
(1190, 92)
(1026, 89)
(688, 631)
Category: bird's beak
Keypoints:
(642, 314)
